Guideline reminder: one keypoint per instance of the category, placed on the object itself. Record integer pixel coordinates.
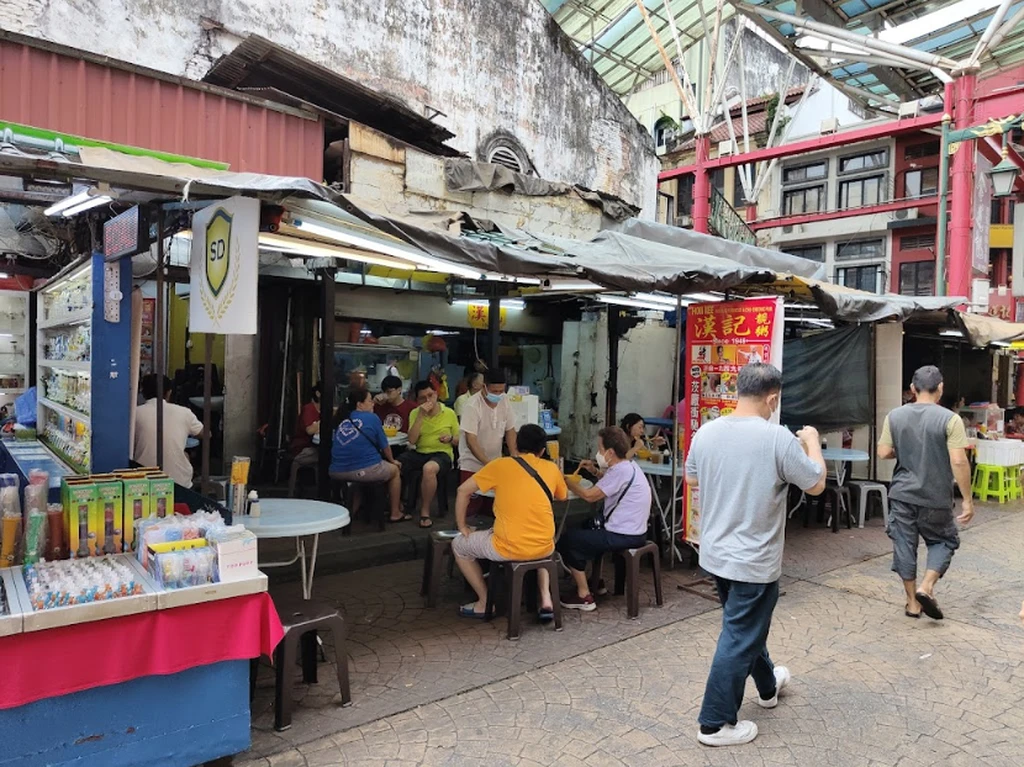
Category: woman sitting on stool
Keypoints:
(360, 452)
(622, 523)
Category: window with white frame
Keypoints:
(869, 277)
(805, 188)
(863, 179)
(861, 250)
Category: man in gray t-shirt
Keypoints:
(743, 465)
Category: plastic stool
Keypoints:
(1013, 484)
(438, 547)
(864, 489)
(507, 591)
(627, 574)
(991, 482)
(300, 626)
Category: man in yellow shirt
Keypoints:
(524, 518)
(433, 432)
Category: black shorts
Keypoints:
(413, 462)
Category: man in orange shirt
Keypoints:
(524, 519)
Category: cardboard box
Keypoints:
(236, 558)
(80, 515)
(161, 496)
(135, 505)
(110, 516)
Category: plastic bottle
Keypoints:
(254, 504)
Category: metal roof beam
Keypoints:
(989, 33)
(1003, 31)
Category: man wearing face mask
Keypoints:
(487, 419)
(743, 464)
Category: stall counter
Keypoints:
(20, 457)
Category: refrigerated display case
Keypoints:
(364, 366)
(14, 344)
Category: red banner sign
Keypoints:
(720, 339)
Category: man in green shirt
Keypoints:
(433, 433)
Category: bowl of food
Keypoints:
(390, 431)
(643, 454)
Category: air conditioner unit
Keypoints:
(831, 125)
(909, 214)
(684, 222)
(793, 229)
(725, 148)
(909, 109)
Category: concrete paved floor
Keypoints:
(870, 687)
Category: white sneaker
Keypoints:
(782, 677)
(730, 735)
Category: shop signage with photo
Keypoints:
(720, 339)
(225, 265)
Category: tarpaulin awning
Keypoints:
(983, 330)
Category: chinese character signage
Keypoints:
(720, 339)
(225, 263)
(478, 316)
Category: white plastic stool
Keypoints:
(864, 489)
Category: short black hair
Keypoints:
(420, 386)
(390, 382)
(494, 377)
(314, 392)
(614, 438)
(758, 379)
(531, 439)
(629, 420)
(356, 397)
(149, 386)
(927, 379)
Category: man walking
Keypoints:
(742, 465)
(929, 444)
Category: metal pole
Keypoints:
(204, 480)
(158, 338)
(612, 385)
(675, 432)
(961, 204)
(493, 332)
(284, 383)
(943, 224)
(327, 382)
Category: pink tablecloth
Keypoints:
(47, 664)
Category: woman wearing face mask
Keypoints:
(634, 427)
(627, 509)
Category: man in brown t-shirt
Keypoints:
(929, 444)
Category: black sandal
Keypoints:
(929, 606)
(426, 523)
(910, 614)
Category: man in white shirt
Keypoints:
(487, 418)
(180, 423)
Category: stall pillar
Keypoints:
(701, 186)
(494, 332)
(111, 375)
(960, 235)
(240, 380)
(327, 383)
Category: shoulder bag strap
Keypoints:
(608, 513)
(366, 436)
(530, 470)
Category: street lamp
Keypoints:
(1003, 175)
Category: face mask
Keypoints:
(602, 462)
(494, 399)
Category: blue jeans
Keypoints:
(742, 650)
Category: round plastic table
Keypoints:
(399, 440)
(296, 518)
(654, 473)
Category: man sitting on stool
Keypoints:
(524, 520)
(433, 432)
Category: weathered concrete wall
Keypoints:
(488, 65)
(413, 182)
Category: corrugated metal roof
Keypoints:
(259, 65)
(60, 89)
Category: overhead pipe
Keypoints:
(687, 80)
(763, 176)
(1006, 29)
(989, 33)
(841, 35)
(887, 60)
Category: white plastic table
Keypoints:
(296, 518)
(216, 403)
(399, 440)
(654, 473)
(839, 457)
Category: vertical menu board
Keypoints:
(720, 339)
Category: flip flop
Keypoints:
(911, 615)
(426, 523)
(929, 606)
(403, 518)
(546, 614)
(467, 611)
